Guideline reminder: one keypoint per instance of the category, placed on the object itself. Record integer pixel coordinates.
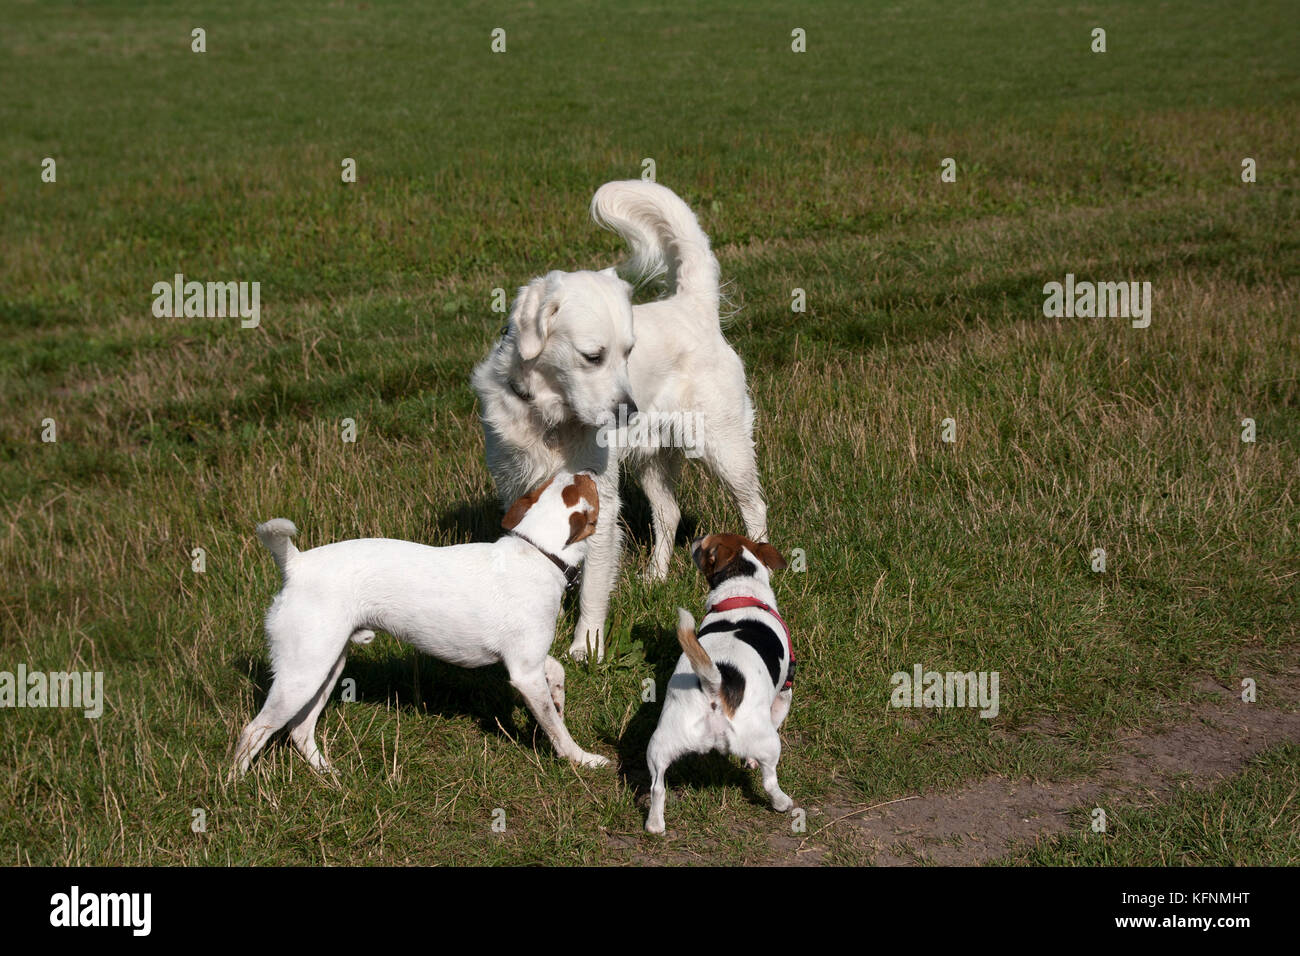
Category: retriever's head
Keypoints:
(573, 333)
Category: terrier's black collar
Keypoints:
(570, 571)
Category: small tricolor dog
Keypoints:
(735, 679)
(468, 604)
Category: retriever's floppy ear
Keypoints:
(771, 557)
(521, 506)
(532, 316)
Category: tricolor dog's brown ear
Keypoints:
(770, 556)
(582, 524)
(715, 553)
(521, 506)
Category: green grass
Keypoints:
(818, 171)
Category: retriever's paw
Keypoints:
(582, 647)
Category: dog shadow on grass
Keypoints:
(423, 686)
(635, 515)
(692, 771)
(472, 520)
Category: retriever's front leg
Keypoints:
(599, 572)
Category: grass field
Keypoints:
(818, 171)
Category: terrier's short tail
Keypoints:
(276, 534)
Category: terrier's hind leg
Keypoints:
(767, 754)
(659, 756)
(781, 706)
(300, 674)
(303, 731)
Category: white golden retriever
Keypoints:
(576, 349)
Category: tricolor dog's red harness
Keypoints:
(732, 604)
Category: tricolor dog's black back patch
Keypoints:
(758, 636)
(733, 687)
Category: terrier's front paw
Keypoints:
(654, 826)
(781, 803)
(593, 760)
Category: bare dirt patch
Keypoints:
(981, 822)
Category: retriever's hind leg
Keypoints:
(731, 457)
(658, 477)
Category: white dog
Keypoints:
(735, 680)
(566, 362)
(469, 604)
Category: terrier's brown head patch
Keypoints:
(521, 506)
(582, 524)
(720, 555)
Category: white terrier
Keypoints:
(552, 387)
(735, 680)
(469, 604)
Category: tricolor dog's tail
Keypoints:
(722, 683)
(276, 535)
(664, 236)
(707, 671)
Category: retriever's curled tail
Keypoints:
(664, 236)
